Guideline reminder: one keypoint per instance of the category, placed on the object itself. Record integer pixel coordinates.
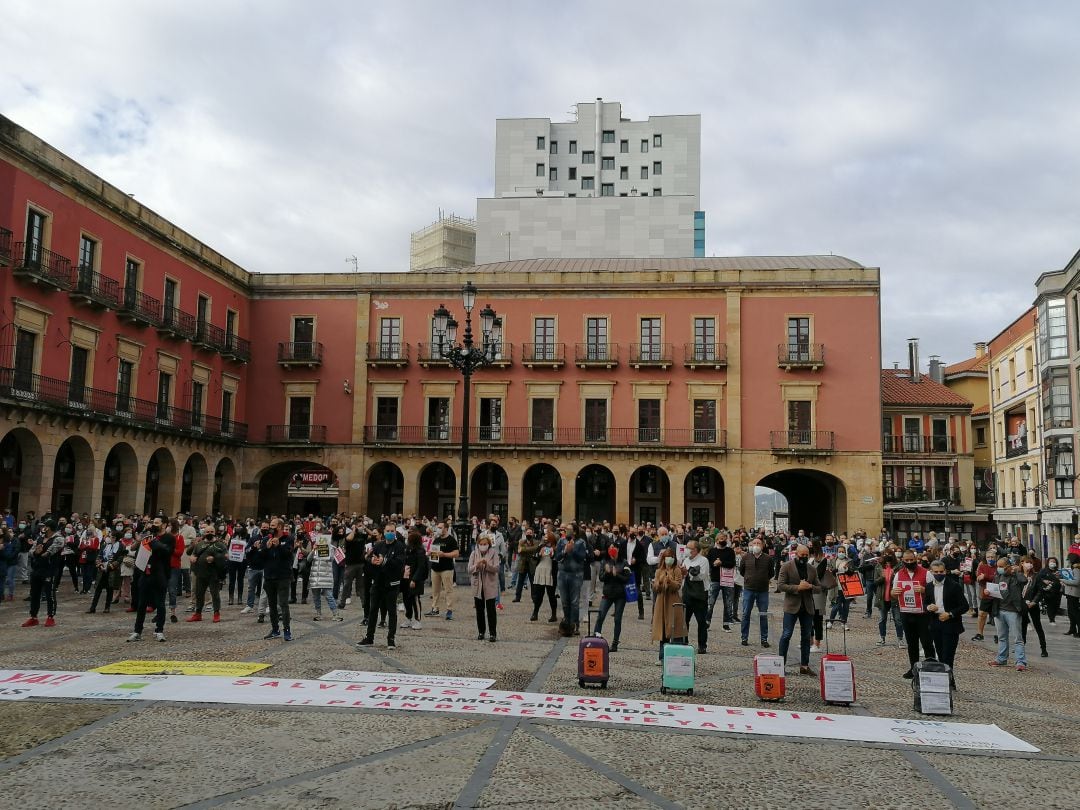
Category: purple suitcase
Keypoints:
(593, 658)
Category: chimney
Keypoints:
(937, 369)
(980, 349)
(913, 359)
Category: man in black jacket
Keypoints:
(387, 559)
(946, 604)
(277, 557)
(154, 582)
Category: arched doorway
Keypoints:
(119, 493)
(437, 491)
(20, 471)
(488, 492)
(298, 488)
(541, 492)
(650, 495)
(224, 488)
(817, 501)
(703, 494)
(771, 510)
(594, 494)
(194, 485)
(73, 477)
(160, 483)
(386, 490)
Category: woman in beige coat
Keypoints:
(668, 622)
(484, 570)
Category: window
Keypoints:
(648, 420)
(80, 360)
(644, 144)
(980, 437)
(25, 351)
(1076, 322)
(571, 194)
(913, 482)
(389, 338)
(912, 434)
(439, 419)
(124, 375)
(799, 422)
(704, 339)
(1057, 406)
(705, 421)
(170, 302)
(87, 253)
(303, 335)
(490, 419)
(650, 340)
(554, 150)
(644, 194)
(596, 420)
(798, 344)
(164, 395)
(386, 418)
(202, 312)
(657, 192)
(939, 435)
(657, 140)
(543, 420)
(587, 184)
(624, 172)
(607, 189)
(299, 418)
(544, 338)
(657, 167)
(539, 169)
(131, 282)
(230, 324)
(607, 163)
(588, 157)
(226, 411)
(197, 392)
(539, 141)
(572, 147)
(596, 335)
(571, 173)
(607, 136)
(553, 175)
(624, 147)
(644, 172)
(35, 235)
(1053, 330)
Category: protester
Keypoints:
(695, 597)
(669, 622)
(413, 579)
(1009, 609)
(544, 576)
(44, 564)
(444, 550)
(154, 560)
(484, 571)
(798, 581)
(946, 606)
(909, 588)
(321, 575)
(756, 568)
(614, 576)
(277, 556)
(207, 558)
(570, 555)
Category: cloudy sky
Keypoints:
(934, 140)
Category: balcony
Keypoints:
(139, 308)
(236, 348)
(429, 355)
(95, 290)
(40, 266)
(6, 242)
(177, 324)
(800, 356)
(305, 353)
(650, 355)
(208, 336)
(296, 434)
(705, 355)
(921, 495)
(593, 436)
(62, 396)
(596, 355)
(1016, 447)
(917, 445)
(543, 355)
(387, 355)
(802, 442)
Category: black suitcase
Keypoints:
(931, 681)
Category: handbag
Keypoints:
(632, 589)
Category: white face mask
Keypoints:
(669, 561)
(755, 550)
(483, 548)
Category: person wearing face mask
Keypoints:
(885, 601)
(798, 581)
(984, 573)
(756, 569)
(1070, 584)
(570, 554)
(1050, 585)
(721, 562)
(668, 622)
(276, 557)
(637, 557)
(909, 588)
(695, 596)
(946, 606)
(1009, 606)
(9, 564)
(387, 558)
(1034, 597)
(614, 575)
(44, 561)
(484, 571)
(110, 555)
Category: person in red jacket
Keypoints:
(909, 589)
(986, 572)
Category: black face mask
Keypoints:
(910, 566)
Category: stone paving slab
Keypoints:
(27, 725)
(1049, 785)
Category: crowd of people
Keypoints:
(925, 586)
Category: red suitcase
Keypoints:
(593, 658)
(770, 682)
(837, 675)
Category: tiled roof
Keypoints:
(973, 365)
(897, 389)
(982, 410)
(629, 265)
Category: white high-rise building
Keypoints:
(599, 186)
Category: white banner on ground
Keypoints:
(354, 676)
(18, 684)
(256, 691)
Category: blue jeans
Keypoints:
(570, 593)
(605, 606)
(840, 606)
(891, 609)
(870, 586)
(174, 587)
(254, 584)
(316, 595)
(728, 594)
(7, 585)
(1009, 623)
(761, 600)
(806, 629)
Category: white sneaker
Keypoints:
(134, 637)
(348, 601)
(159, 636)
(814, 648)
(416, 624)
(245, 610)
(401, 608)
(828, 625)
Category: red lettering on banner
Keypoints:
(767, 714)
(356, 687)
(704, 709)
(514, 697)
(468, 708)
(586, 701)
(295, 685)
(498, 710)
(444, 705)
(385, 689)
(327, 685)
(553, 699)
(410, 705)
(619, 703)
(734, 711)
(450, 693)
(795, 716)
(707, 724)
(242, 682)
(675, 707)
(528, 712)
(553, 714)
(334, 702)
(823, 717)
(486, 695)
(684, 722)
(419, 690)
(604, 717)
(651, 719)
(576, 715)
(384, 705)
(270, 683)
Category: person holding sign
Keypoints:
(1007, 591)
(946, 606)
(909, 589)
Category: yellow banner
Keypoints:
(230, 668)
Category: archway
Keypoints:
(119, 486)
(817, 501)
(437, 491)
(541, 492)
(160, 486)
(703, 494)
(771, 510)
(224, 488)
(73, 477)
(297, 488)
(386, 490)
(650, 495)
(594, 494)
(20, 471)
(488, 492)
(195, 486)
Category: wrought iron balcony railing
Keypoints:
(800, 355)
(552, 355)
(705, 355)
(177, 323)
(650, 355)
(35, 263)
(140, 308)
(591, 436)
(596, 355)
(300, 353)
(802, 442)
(296, 434)
(95, 290)
(924, 445)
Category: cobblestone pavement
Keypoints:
(158, 755)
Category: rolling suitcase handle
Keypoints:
(827, 638)
(686, 622)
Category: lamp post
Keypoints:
(945, 503)
(1044, 488)
(467, 358)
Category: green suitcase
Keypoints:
(680, 664)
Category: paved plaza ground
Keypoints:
(151, 755)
